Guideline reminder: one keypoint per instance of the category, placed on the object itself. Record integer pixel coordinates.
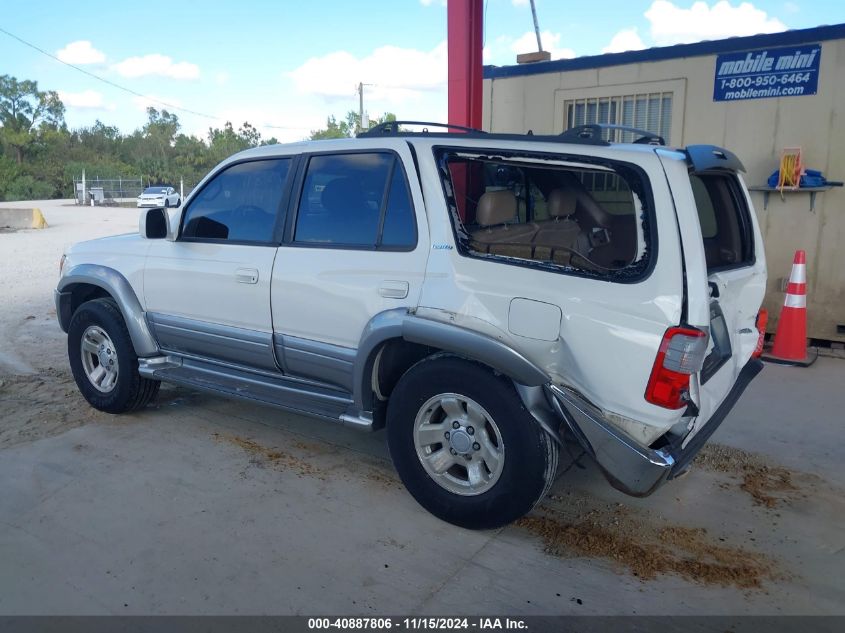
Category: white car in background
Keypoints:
(159, 197)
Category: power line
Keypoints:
(129, 90)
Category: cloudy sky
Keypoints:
(285, 65)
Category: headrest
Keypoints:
(561, 203)
(343, 195)
(496, 207)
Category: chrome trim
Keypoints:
(628, 466)
(121, 291)
(361, 421)
(148, 366)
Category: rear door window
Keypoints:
(725, 221)
(568, 215)
(358, 200)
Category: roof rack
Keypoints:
(594, 131)
(392, 128)
(590, 134)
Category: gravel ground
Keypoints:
(202, 505)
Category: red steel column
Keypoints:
(465, 27)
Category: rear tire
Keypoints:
(497, 462)
(103, 360)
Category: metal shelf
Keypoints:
(766, 190)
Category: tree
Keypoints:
(347, 127)
(40, 157)
(225, 142)
(25, 112)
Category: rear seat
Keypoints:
(499, 232)
(608, 240)
(557, 235)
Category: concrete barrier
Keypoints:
(22, 219)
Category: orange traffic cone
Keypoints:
(790, 346)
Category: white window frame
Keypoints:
(676, 88)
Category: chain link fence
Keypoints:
(118, 191)
(107, 191)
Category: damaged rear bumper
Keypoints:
(634, 469)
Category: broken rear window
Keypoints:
(571, 214)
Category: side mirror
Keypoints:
(154, 224)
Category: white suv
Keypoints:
(158, 197)
(486, 297)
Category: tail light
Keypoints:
(681, 354)
(762, 321)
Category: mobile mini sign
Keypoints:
(768, 72)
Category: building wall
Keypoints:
(755, 129)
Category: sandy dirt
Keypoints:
(737, 522)
(768, 484)
(35, 406)
(644, 544)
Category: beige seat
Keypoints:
(557, 237)
(500, 232)
(610, 240)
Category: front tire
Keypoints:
(103, 360)
(465, 446)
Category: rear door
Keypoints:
(725, 266)
(356, 245)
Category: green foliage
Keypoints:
(347, 127)
(27, 188)
(26, 113)
(40, 157)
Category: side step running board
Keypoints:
(277, 391)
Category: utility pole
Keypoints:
(361, 85)
(536, 27)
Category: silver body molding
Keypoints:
(200, 338)
(402, 324)
(121, 291)
(313, 359)
(634, 469)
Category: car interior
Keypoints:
(582, 218)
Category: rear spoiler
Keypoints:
(709, 157)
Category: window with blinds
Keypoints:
(651, 112)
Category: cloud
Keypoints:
(87, 99)
(519, 3)
(428, 3)
(397, 74)
(527, 43)
(671, 24)
(81, 52)
(791, 7)
(624, 40)
(158, 65)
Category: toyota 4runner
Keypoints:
(488, 298)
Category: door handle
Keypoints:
(393, 289)
(247, 275)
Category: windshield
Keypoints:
(155, 190)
